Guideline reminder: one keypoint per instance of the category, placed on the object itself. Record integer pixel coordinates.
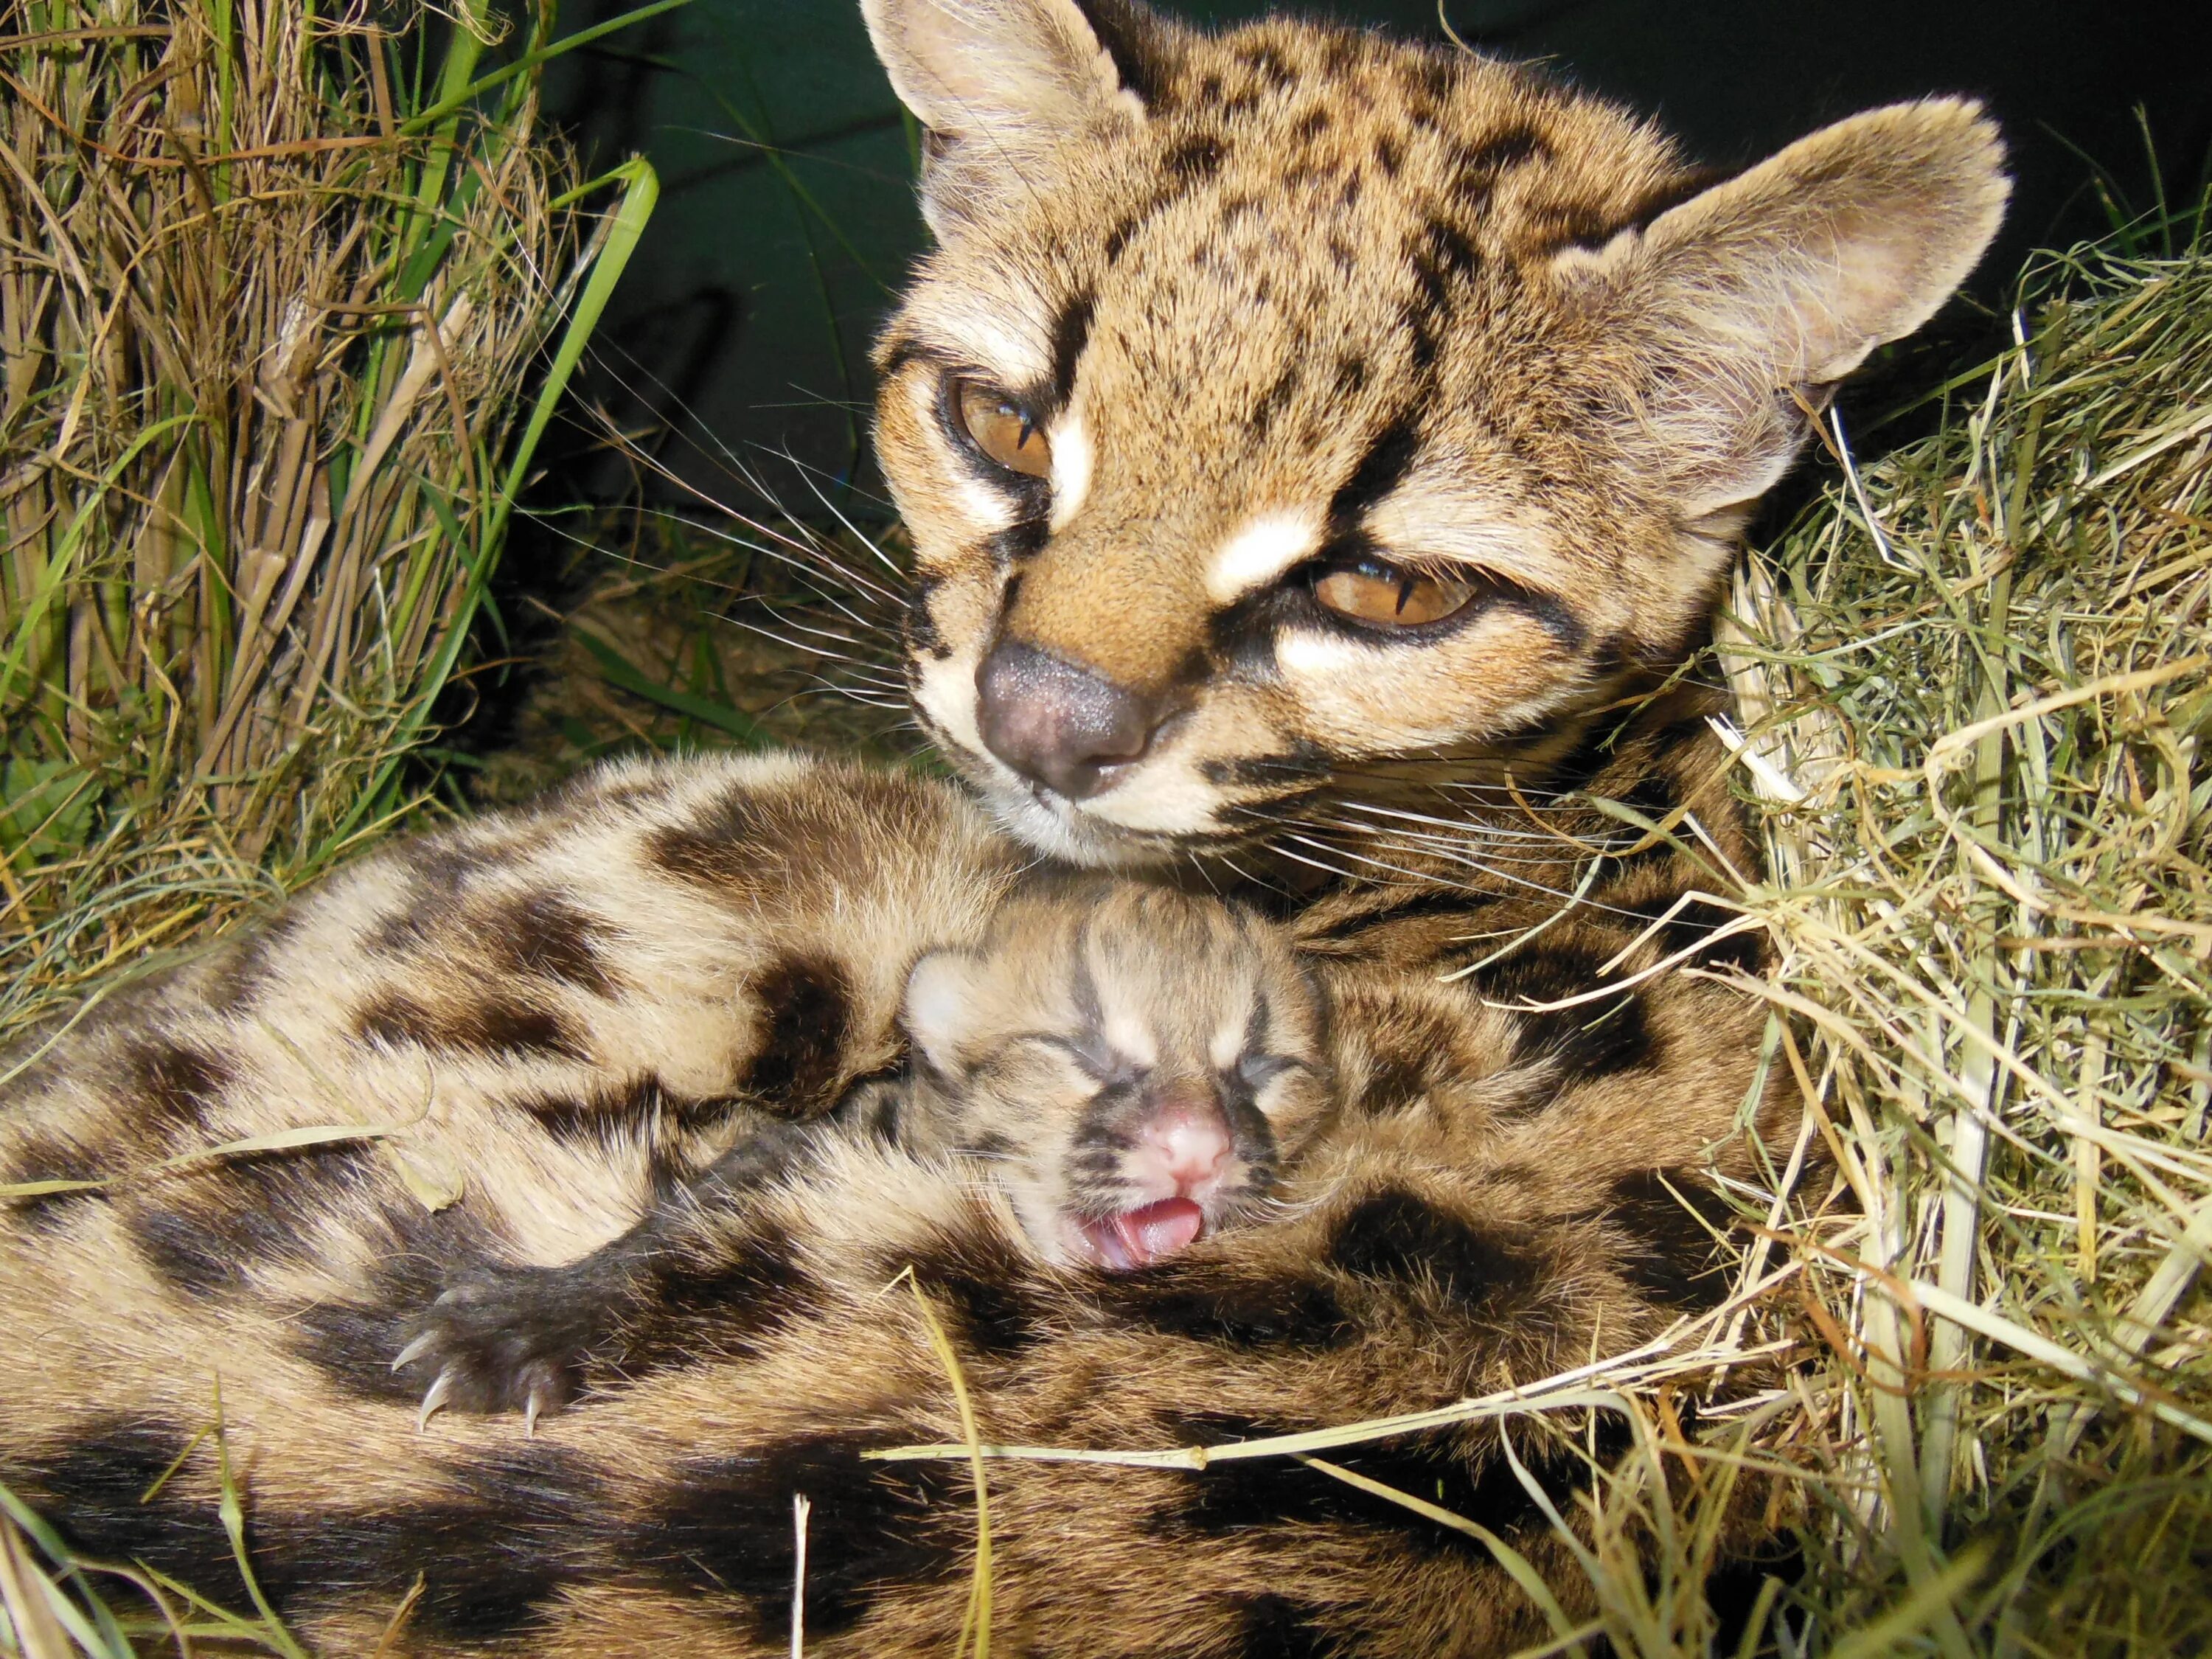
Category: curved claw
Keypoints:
(414, 1351)
(434, 1399)
(530, 1411)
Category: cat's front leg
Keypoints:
(531, 1339)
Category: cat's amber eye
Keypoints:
(1002, 429)
(1386, 595)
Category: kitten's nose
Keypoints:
(1186, 1140)
(1055, 723)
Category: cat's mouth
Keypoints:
(1139, 1238)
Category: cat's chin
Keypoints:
(1060, 830)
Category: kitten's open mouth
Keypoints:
(1137, 1239)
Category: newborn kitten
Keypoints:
(1135, 1064)
(1131, 1066)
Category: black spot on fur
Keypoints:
(1695, 930)
(1467, 1476)
(1351, 375)
(1653, 796)
(1671, 1251)
(1311, 125)
(493, 1024)
(489, 1562)
(716, 1292)
(1421, 339)
(1297, 766)
(1194, 161)
(923, 636)
(170, 1087)
(600, 1115)
(1481, 166)
(204, 1230)
(721, 1527)
(1389, 156)
(806, 1015)
(1208, 1302)
(1276, 398)
(720, 847)
(1411, 904)
(46, 1157)
(1267, 63)
(542, 934)
(1276, 1627)
(177, 1248)
(1589, 1039)
(91, 1490)
(986, 1279)
(1395, 1235)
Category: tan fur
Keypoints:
(1316, 245)
(1269, 293)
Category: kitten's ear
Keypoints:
(1784, 278)
(1013, 70)
(940, 995)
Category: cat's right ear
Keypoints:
(997, 82)
(1013, 71)
(940, 995)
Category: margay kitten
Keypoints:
(1313, 445)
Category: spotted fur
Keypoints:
(1274, 298)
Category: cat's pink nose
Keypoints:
(1056, 723)
(1185, 1142)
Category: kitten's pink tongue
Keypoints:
(1137, 1239)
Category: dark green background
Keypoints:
(745, 319)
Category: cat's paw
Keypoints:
(505, 1340)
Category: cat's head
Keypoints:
(1284, 401)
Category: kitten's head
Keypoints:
(1135, 1065)
(1283, 401)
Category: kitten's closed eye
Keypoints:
(1256, 1071)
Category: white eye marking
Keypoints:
(1260, 553)
(987, 509)
(993, 331)
(1483, 531)
(1127, 1035)
(1301, 651)
(1071, 466)
(1228, 1045)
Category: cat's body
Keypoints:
(1313, 446)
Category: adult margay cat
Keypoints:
(1313, 446)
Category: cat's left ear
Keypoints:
(1779, 282)
(940, 997)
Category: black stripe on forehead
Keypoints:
(1381, 469)
(1071, 332)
